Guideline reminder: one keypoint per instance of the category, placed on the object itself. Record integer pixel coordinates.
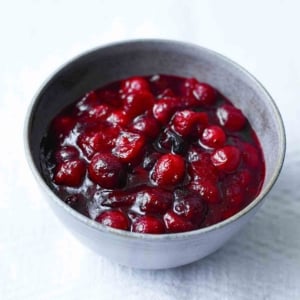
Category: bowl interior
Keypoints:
(118, 61)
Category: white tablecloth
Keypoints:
(39, 259)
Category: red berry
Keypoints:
(62, 126)
(114, 218)
(148, 224)
(203, 93)
(89, 100)
(169, 170)
(167, 93)
(129, 146)
(159, 84)
(88, 143)
(154, 200)
(186, 122)
(134, 84)
(201, 167)
(101, 141)
(202, 170)
(190, 206)
(99, 112)
(66, 153)
(226, 159)
(118, 117)
(119, 198)
(188, 86)
(213, 136)
(207, 189)
(106, 170)
(146, 125)
(183, 121)
(138, 103)
(138, 176)
(70, 173)
(164, 108)
(231, 117)
(175, 223)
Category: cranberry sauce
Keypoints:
(158, 154)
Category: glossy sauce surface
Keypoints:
(156, 154)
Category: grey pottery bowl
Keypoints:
(145, 57)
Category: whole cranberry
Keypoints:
(164, 108)
(138, 176)
(134, 85)
(103, 140)
(118, 117)
(203, 93)
(166, 93)
(207, 189)
(187, 122)
(129, 146)
(88, 143)
(231, 117)
(154, 200)
(226, 159)
(114, 218)
(148, 224)
(106, 170)
(169, 170)
(160, 83)
(213, 136)
(88, 101)
(146, 125)
(119, 198)
(99, 112)
(201, 167)
(62, 126)
(138, 103)
(66, 153)
(70, 173)
(175, 223)
(190, 206)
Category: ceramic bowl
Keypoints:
(146, 57)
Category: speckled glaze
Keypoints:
(146, 57)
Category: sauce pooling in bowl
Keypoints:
(156, 154)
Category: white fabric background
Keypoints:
(39, 259)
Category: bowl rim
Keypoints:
(167, 236)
